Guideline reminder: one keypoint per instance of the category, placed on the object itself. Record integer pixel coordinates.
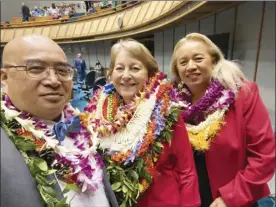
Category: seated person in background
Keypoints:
(54, 13)
(99, 69)
(91, 10)
(104, 4)
(66, 11)
(45, 153)
(37, 12)
(72, 11)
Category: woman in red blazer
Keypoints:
(174, 183)
(227, 123)
(131, 120)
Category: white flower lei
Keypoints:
(135, 130)
(51, 142)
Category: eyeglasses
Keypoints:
(41, 70)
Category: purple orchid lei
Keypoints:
(72, 168)
(215, 98)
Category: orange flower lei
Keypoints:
(111, 107)
(139, 164)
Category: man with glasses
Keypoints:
(45, 154)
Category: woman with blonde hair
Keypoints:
(227, 123)
(136, 126)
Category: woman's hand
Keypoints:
(218, 203)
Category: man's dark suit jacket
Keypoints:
(18, 188)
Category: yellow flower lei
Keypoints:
(203, 134)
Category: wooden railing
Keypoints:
(139, 18)
(48, 20)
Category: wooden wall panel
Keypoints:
(115, 25)
(37, 30)
(110, 23)
(176, 3)
(62, 31)
(54, 32)
(158, 10)
(46, 31)
(19, 33)
(78, 30)
(86, 28)
(94, 26)
(127, 17)
(9, 35)
(167, 6)
(70, 30)
(134, 16)
(102, 25)
(142, 13)
(2, 35)
(28, 31)
(151, 10)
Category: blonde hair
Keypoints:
(225, 71)
(137, 51)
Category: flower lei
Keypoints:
(80, 168)
(205, 119)
(130, 136)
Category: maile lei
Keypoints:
(131, 136)
(44, 153)
(205, 119)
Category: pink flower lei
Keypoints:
(215, 98)
(71, 167)
(127, 110)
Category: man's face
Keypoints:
(44, 98)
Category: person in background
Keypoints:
(228, 125)
(80, 65)
(99, 69)
(91, 10)
(25, 12)
(36, 12)
(136, 127)
(46, 11)
(72, 11)
(88, 5)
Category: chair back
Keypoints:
(90, 78)
(99, 82)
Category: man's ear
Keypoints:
(4, 78)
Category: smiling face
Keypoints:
(45, 97)
(128, 75)
(194, 64)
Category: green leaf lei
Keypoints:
(37, 166)
(126, 178)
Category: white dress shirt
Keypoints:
(79, 199)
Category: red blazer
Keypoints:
(176, 182)
(241, 159)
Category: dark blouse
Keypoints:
(203, 180)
